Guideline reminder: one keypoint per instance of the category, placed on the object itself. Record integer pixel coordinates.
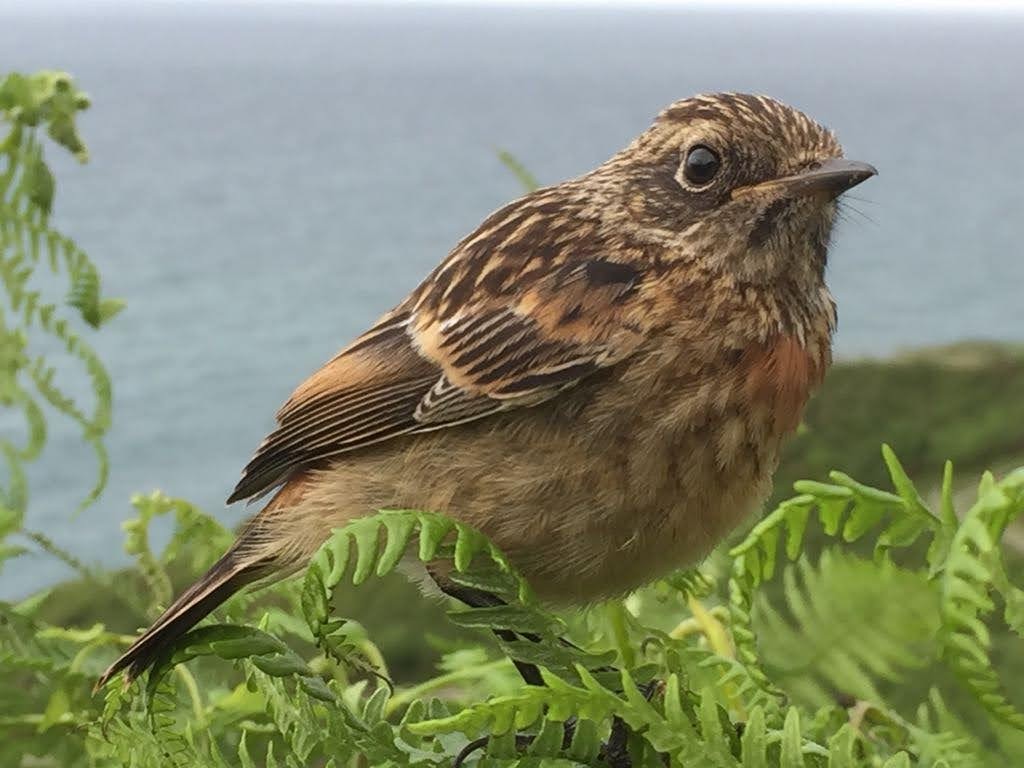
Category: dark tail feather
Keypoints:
(225, 577)
(249, 559)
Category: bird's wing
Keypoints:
(492, 328)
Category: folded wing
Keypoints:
(462, 347)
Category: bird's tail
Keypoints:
(225, 577)
(250, 559)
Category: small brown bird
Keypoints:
(598, 378)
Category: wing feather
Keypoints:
(492, 329)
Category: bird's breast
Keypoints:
(632, 474)
(778, 377)
(684, 452)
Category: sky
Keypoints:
(915, 5)
(924, 5)
(977, 6)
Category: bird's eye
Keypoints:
(701, 165)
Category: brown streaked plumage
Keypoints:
(599, 377)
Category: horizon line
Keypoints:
(970, 7)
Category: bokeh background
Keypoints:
(267, 178)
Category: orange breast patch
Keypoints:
(780, 375)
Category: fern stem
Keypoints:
(691, 626)
(713, 629)
(721, 644)
(193, 693)
(407, 696)
(510, 161)
(376, 659)
(617, 618)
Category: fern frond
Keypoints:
(852, 623)
(28, 103)
(231, 642)
(690, 735)
(938, 735)
(377, 544)
(742, 686)
(964, 564)
(970, 571)
(846, 508)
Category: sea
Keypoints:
(265, 179)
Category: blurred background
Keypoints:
(267, 178)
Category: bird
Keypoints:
(598, 378)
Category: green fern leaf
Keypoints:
(853, 622)
(970, 570)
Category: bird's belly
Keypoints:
(586, 515)
(638, 515)
(589, 502)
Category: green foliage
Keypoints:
(28, 318)
(526, 179)
(743, 680)
(801, 646)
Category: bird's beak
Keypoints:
(831, 179)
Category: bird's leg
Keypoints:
(477, 598)
(614, 752)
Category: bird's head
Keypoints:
(739, 183)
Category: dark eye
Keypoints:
(701, 165)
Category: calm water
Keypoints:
(264, 182)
